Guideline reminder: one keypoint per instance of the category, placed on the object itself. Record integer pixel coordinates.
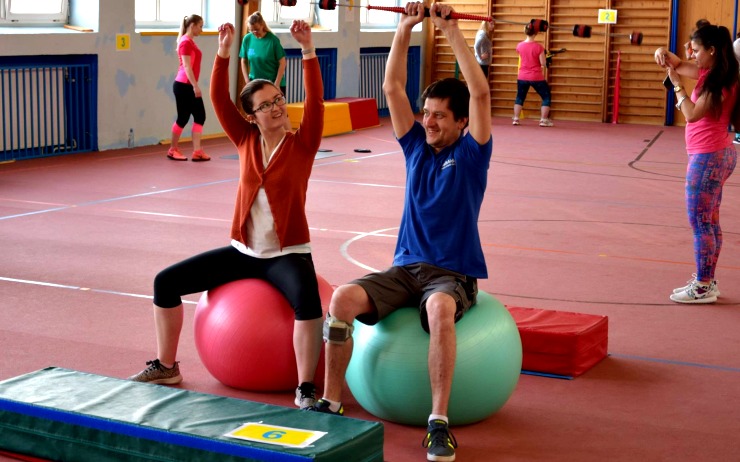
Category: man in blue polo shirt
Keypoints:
(438, 256)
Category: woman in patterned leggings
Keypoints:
(712, 156)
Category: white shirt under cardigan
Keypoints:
(263, 240)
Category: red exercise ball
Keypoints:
(244, 335)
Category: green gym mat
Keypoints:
(61, 414)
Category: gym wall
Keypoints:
(582, 78)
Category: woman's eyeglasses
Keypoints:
(267, 107)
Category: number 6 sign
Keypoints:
(274, 434)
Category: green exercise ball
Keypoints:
(389, 377)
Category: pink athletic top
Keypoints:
(530, 68)
(187, 47)
(710, 134)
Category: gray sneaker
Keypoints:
(305, 395)
(440, 442)
(157, 373)
(713, 287)
(546, 123)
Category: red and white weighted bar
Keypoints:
(453, 15)
(538, 24)
(541, 25)
(332, 4)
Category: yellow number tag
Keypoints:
(607, 16)
(274, 434)
(123, 42)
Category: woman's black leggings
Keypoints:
(293, 275)
(188, 104)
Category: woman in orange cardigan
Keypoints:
(269, 234)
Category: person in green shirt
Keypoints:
(262, 55)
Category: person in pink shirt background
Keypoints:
(532, 60)
(188, 96)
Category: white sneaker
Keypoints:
(713, 287)
(514, 121)
(696, 292)
(546, 123)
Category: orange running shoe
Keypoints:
(175, 154)
(200, 156)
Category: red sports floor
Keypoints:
(579, 217)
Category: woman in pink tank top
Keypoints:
(188, 96)
(712, 156)
(531, 62)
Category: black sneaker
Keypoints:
(440, 442)
(323, 407)
(305, 395)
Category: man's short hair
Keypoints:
(454, 91)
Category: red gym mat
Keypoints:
(560, 343)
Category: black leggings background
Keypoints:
(293, 275)
(188, 104)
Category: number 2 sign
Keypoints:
(607, 16)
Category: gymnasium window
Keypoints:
(276, 14)
(155, 14)
(34, 12)
(378, 19)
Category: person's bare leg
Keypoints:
(164, 369)
(307, 347)
(174, 151)
(196, 140)
(440, 310)
(174, 143)
(442, 349)
(168, 324)
(346, 303)
(517, 110)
